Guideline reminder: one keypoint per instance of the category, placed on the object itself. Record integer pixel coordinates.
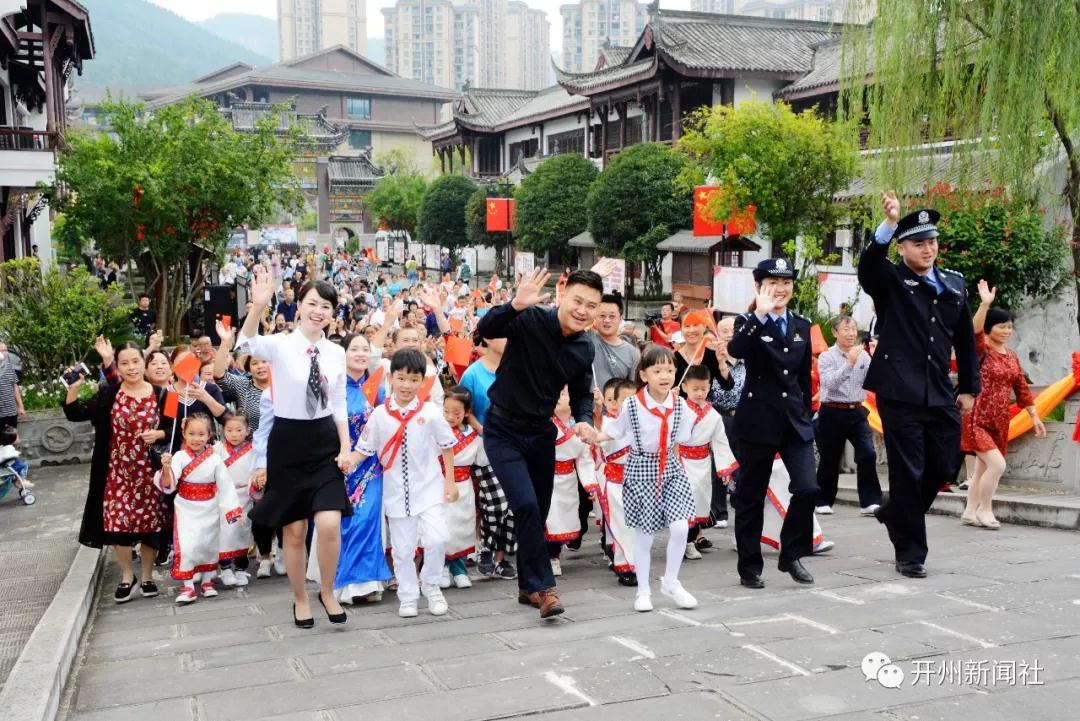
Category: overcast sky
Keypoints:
(203, 9)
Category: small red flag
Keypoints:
(425, 389)
(458, 350)
(187, 367)
(704, 222)
(498, 215)
(172, 405)
(370, 388)
(456, 325)
(226, 320)
(817, 340)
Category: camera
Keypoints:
(652, 319)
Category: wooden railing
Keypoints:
(27, 139)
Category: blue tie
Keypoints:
(781, 323)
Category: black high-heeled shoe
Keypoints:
(334, 617)
(302, 622)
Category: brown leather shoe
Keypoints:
(549, 603)
(529, 598)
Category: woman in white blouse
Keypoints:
(308, 451)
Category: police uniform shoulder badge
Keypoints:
(911, 282)
(767, 338)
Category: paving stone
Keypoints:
(506, 664)
(847, 650)
(134, 670)
(137, 636)
(251, 649)
(676, 707)
(171, 647)
(714, 670)
(175, 709)
(356, 658)
(539, 634)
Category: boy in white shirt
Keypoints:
(409, 436)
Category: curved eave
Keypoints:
(578, 83)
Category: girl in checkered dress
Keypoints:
(656, 491)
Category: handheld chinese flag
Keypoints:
(370, 388)
(456, 325)
(817, 340)
(704, 222)
(226, 320)
(498, 215)
(458, 351)
(172, 405)
(425, 389)
(187, 367)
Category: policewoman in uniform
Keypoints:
(773, 416)
(923, 316)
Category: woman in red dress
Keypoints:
(985, 430)
(123, 508)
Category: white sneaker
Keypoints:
(722, 523)
(869, 510)
(264, 568)
(643, 602)
(556, 567)
(242, 578)
(228, 577)
(436, 602)
(823, 547)
(279, 563)
(445, 581)
(691, 553)
(823, 510)
(677, 593)
(462, 580)
(407, 609)
(186, 595)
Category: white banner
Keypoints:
(432, 256)
(524, 262)
(382, 249)
(733, 289)
(277, 235)
(615, 282)
(399, 252)
(840, 288)
(468, 255)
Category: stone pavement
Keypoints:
(993, 633)
(37, 546)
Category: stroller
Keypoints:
(12, 475)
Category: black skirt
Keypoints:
(302, 476)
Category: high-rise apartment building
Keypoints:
(528, 47)
(454, 42)
(726, 7)
(306, 26)
(820, 10)
(589, 23)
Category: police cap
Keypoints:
(774, 268)
(918, 225)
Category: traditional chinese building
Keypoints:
(41, 43)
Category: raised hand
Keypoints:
(155, 340)
(891, 206)
(429, 297)
(104, 348)
(765, 302)
(605, 267)
(226, 334)
(986, 293)
(261, 288)
(529, 289)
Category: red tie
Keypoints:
(390, 450)
(663, 414)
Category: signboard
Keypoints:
(468, 255)
(524, 262)
(278, 235)
(399, 253)
(840, 288)
(432, 256)
(382, 249)
(615, 282)
(733, 289)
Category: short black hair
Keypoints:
(669, 304)
(324, 290)
(697, 373)
(8, 434)
(613, 299)
(230, 416)
(586, 278)
(129, 345)
(144, 295)
(653, 355)
(408, 360)
(460, 394)
(618, 384)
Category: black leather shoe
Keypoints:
(911, 569)
(334, 617)
(302, 622)
(798, 573)
(752, 581)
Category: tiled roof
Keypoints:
(684, 241)
(583, 239)
(546, 101)
(436, 132)
(824, 72)
(734, 42)
(349, 170)
(615, 54)
(488, 107)
(317, 128)
(583, 82)
(924, 172)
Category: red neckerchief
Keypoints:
(390, 450)
(235, 453)
(699, 412)
(565, 432)
(196, 459)
(663, 414)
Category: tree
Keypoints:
(1004, 75)
(395, 201)
(442, 212)
(551, 205)
(166, 190)
(476, 222)
(635, 203)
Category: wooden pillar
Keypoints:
(588, 132)
(461, 153)
(676, 113)
(49, 71)
(654, 118)
(603, 135)
(442, 161)
(623, 111)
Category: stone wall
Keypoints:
(47, 438)
(1052, 462)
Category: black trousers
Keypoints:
(523, 457)
(752, 484)
(835, 427)
(923, 447)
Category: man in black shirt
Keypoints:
(546, 350)
(144, 318)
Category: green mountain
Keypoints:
(255, 32)
(139, 43)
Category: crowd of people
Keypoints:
(378, 432)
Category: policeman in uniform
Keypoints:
(923, 316)
(773, 416)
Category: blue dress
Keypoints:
(362, 565)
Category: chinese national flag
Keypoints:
(172, 405)
(742, 222)
(512, 204)
(704, 222)
(187, 366)
(498, 215)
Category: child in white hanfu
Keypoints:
(204, 495)
(236, 538)
(574, 465)
(618, 539)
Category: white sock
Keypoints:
(642, 552)
(676, 547)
